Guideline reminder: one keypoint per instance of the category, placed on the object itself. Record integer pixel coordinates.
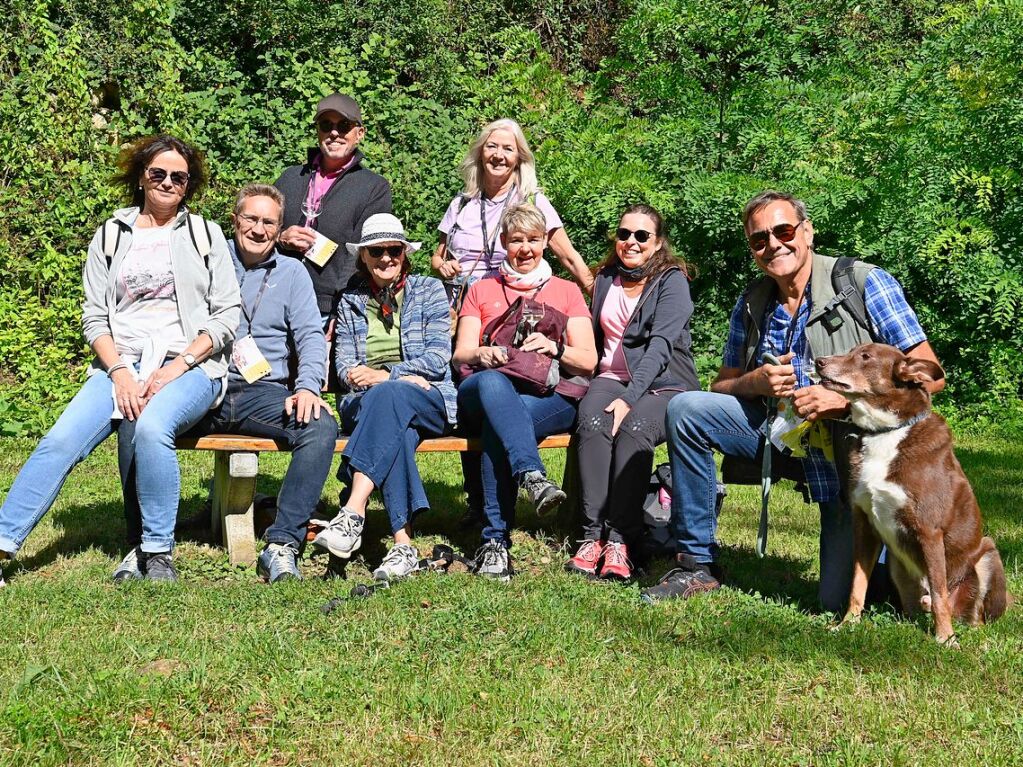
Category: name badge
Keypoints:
(249, 360)
(321, 250)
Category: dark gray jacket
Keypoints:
(656, 343)
(353, 198)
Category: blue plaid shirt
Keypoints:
(893, 319)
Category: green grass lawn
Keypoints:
(452, 670)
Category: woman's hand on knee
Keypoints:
(419, 381)
(492, 356)
(618, 409)
(127, 394)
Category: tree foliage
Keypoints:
(898, 121)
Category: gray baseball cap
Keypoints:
(340, 103)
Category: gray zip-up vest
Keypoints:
(823, 342)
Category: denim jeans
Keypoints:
(151, 481)
(386, 424)
(698, 423)
(257, 410)
(510, 425)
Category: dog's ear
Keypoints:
(913, 370)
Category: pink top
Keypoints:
(321, 182)
(615, 314)
(486, 300)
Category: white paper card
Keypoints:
(249, 360)
(321, 250)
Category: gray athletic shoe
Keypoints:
(342, 536)
(278, 562)
(129, 569)
(159, 567)
(401, 561)
(494, 561)
(543, 493)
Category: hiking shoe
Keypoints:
(400, 562)
(494, 561)
(342, 536)
(159, 567)
(543, 493)
(681, 583)
(586, 558)
(278, 562)
(129, 569)
(616, 565)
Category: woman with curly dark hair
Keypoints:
(160, 311)
(641, 310)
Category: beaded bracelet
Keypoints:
(114, 368)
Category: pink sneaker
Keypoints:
(586, 558)
(616, 564)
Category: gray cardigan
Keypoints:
(207, 296)
(656, 341)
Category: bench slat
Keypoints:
(236, 443)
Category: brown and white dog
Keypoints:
(908, 491)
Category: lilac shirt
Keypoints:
(615, 314)
(321, 182)
(467, 243)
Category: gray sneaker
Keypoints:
(342, 536)
(278, 562)
(129, 569)
(494, 561)
(401, 561)
(159, 567)
(543, 493)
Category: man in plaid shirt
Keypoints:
(730, 417)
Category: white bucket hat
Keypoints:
(382, 227)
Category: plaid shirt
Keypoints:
(893, 320)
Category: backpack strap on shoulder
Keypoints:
(849, 290)
(199, 231)
(110, 238)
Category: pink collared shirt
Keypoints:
(321, 182)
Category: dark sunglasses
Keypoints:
(377, 251)
(341, 126)
(641, 235)
(782, 232)
(177, 177)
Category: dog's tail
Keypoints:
(991, 574)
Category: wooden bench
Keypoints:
(236, 465)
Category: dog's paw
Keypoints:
(850, 619)
(951, 641)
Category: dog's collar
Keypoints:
(905, 424)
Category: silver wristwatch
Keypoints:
(190, 360)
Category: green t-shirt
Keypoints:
(383, 346)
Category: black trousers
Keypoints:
(614, 472)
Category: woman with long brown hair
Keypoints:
(641, 310)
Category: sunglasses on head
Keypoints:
(177, 177)
(341, 126)
(641, 235)
(782, 232)
(377, 251)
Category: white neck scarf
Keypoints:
(534, 279)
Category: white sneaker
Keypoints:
(494, 561)
(401, 561)
(129, 569)
(342, 536)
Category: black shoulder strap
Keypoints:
(110, 239)
(850, 292)
(202, 239)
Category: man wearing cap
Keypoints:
(333, 195)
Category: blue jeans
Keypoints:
(698, 423)
(151, 481)
(257, 410)
(510, 425)
(386, 424)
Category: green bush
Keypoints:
(898, 122)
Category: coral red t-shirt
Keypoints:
(490, 297)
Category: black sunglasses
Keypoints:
(177, 177)
(785, 233)
(341, 126)
(377, 251)
(641, 235)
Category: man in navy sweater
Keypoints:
(279, 320)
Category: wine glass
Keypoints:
(311, 211)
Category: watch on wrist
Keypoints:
(189, 359)
(560, 351)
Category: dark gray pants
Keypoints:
(615, 471)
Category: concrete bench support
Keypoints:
(234, 490)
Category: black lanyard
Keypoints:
(249, 316)
(490, 244)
